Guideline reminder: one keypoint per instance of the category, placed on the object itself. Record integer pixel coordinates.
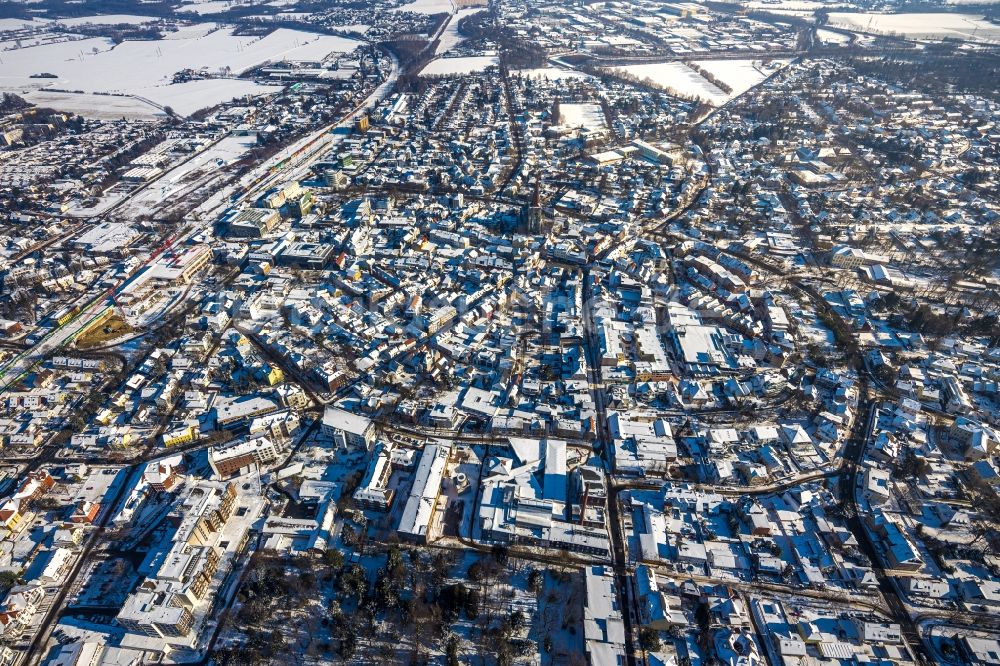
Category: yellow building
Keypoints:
(10, 515)
(179, 436)
(275, 376)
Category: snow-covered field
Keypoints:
(792, 5)
(587, 115)
(740, 75)
(107, 107)
(108, 19)
(831, 37)
(451, 38)
(190, 96)
(427, 7)
(931, 25)
(209, 7)
(552, 73)
(7, 24)
(145, 68)
(466, 65)
(678, 78)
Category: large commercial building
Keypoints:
(348, 429)
(164, 604)
(422, 501)
(230, 459)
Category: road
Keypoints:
(854, 456)
(36, 649)
(619, 556)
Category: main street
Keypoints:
(623, 573)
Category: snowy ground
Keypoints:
(186, 98)
(7, 24)
(451, 38)
(740, 75)
(466, 65)
(793, 5)
(831, 37)
(552, 73)
(210, 7)
(678, 78)
(931, 25)
(108, 19)
(107, 107)
(145, 68)
(588, 115)
(428, 7)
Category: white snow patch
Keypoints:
(107, 107)
(677, 77)
(108, 19)
(427, 7)
(210, 7)
(552, 73)
(8, 24)
(145, 68)
(190, 96)
(741, 75)
(451, 38)
(588, 115)
(466, 65)
(919, 25)
(830, 37)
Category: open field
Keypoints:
(145, 69)
(451, 38)
(99, 334)
(466, 65)
(677, 77)
(589, 116)
(108, 19)
(107, 107)
(930, 25)
(427, 7)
